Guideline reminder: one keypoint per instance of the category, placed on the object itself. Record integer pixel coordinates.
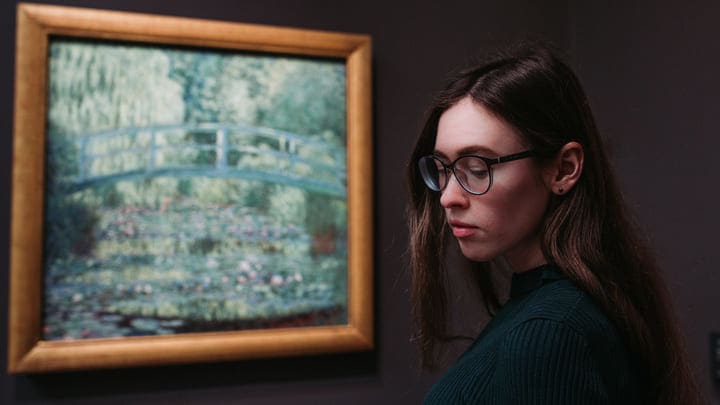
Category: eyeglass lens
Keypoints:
(471, 172)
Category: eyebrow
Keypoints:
(470, 150)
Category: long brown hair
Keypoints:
(587, 233)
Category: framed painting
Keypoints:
(187, 191)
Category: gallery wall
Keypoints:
(650, 69)
(415, 43)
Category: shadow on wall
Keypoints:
(100, 383)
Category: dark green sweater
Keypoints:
(550, 344)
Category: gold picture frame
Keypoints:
(28, 352)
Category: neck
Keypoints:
(526, 257)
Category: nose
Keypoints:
(453, 195)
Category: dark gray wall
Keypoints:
(415, 44)
(651, 71)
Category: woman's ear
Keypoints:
(565, 169)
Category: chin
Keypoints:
(477, 254)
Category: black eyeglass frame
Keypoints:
(489, 162)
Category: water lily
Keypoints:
(276, 280)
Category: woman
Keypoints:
(510, 164)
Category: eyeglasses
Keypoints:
(472, 172)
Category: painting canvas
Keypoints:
(192, 191)
(186, 191)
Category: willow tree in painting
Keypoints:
(192, 191)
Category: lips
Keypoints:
(461, 229)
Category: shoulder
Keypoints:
(541, 339)
(567, 307)
(562, 344)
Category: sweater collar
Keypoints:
(530, 280)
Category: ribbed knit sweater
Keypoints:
(549, 344)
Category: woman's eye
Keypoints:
(479, 172)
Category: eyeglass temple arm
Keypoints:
(514, 156)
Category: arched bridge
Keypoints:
(211, 150)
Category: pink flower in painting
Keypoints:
(276, 280)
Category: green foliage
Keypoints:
(184, 187)
(328, 214)
(95, 87)
(218, 87)
(288, 205)
(69, 227)
(309, 98)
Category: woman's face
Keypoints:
(505, 220)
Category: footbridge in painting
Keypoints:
(210, 150)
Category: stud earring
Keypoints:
(560, 190)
